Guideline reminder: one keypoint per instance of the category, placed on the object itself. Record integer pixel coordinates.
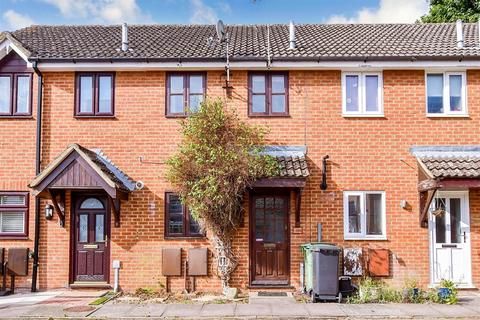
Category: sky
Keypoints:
(15, 14)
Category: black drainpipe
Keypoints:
(38, 144)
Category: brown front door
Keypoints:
(270, 242)
(91, 232)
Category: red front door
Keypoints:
(91, 232)
(270, 243)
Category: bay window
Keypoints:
(364, 215)
(446, 94)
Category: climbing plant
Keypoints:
(219, 158)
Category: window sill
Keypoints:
(381, 238)
(17, 117)
(22, 237)
(94, 117)
(185, 238)
(442, 115)
(269, 116)
(352, 115)
(176, 116)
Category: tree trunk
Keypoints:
(226, 260)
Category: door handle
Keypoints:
(464, 237)
(106, 241)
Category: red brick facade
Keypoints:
(365, 154)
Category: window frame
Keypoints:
(446, 94)
(186, 221)
(95, 95)
(14, 95)
(362, 97)
(362, 235)
(268, 94)
(186, 91)
(24, 208)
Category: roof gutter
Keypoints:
(36, 242)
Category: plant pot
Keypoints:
(444, 293)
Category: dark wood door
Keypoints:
(270, 243)
(91, 239)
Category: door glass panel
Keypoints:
(439, 212)
(353, 214)
(351, 87)
(455, 92)
(259, 220)
(99, 228)
(83, 228)
(268, 235)
(455, 221)
(259, 202)
(374, 213)
(91, 203)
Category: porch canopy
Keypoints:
(79, 168)
(293, 172)
(445, 167)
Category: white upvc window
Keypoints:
(362, 94)
(364, 215)
(446, 94)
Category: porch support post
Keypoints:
(59, 210)
(115, 204)
(426, 198)
(298, 202)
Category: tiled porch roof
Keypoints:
(441, 162)
(291, 160)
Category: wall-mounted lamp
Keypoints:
(48, 212)
(323, 184)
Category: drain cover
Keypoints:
(272, 294)
(79, 309)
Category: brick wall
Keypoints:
(365, 154)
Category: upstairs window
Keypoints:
(94, 95)
(185, 93)
(15, 94)
(268, 94)
(13, 214)
(178, 220)
(362, 94)
(364, 215)
(446, 94)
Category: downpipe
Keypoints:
(36, 242)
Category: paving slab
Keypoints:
(416, 310)
(114, 310)
(298, 309)
(183, 310)
(243, 310)
(454, 310)
(372, 310)
(218, 310)
(325, 309)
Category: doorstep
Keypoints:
(90, 285)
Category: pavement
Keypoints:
(75, 305)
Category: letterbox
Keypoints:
(197, 261)
(18, 261)
(171, 261)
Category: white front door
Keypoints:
(449, 225)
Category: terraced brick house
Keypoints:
(376, 128)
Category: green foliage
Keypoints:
(218, 159)
(452, 297)
(452, 10)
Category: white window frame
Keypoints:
(446, 94)
(362, 235)
(362, 98)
